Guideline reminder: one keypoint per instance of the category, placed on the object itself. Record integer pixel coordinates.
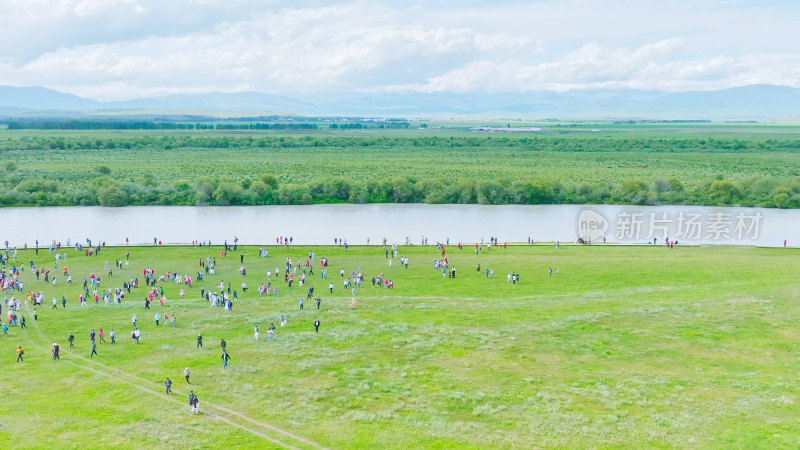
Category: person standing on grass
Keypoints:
(194, 402)
(71, 340)
(157, 317)
(223, 344)
(113, 336)
(56, 351)
(168, 385)
(20, 352)
(199, 341)
(271, 332)
(133, 321)
(255, 333)
(94, 350)
(225, 357)
(22, 323)
(319, 302)
(173, 321)
(301, 302)
(186, 373)
(54, 303)
(102, 335)
(92, 335)
(316, 325)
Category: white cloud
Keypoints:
(595, 66)
(116, 49)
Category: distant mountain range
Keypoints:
(740, 103)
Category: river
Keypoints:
(399, 223)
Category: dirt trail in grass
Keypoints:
(142, 385)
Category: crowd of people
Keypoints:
(120, 287)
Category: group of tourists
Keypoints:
(293, 272)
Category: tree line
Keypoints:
(105, 190)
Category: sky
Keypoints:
(123, 49)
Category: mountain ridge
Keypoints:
(751, 101)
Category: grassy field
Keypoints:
(698, 164)
(623, 347)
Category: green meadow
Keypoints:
(630, 347)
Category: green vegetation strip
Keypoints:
(693, 165)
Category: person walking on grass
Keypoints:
(94, 350)
(56, 351)
(102, 336)
(22, 323)
(20, 352)
(225, 357)
(71, 340)
(186, 373)
(223, 344)
(168, 385)
(255, 333)
(199, 341)
(194, 403)
(316, 325)
(113, 336)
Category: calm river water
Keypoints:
(400, 223)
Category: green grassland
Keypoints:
(624, 347)
(698, 164)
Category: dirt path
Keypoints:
(274, 434)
